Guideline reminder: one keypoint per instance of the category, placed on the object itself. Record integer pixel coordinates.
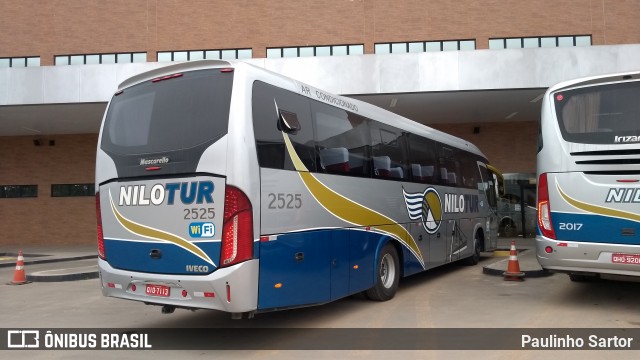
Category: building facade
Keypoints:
(475, 69)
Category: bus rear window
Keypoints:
(174, 114)
(604, 114)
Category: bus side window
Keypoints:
(277, 111)
(469, 169)
(421, 155)
(449, 166)
(342, 141)
(388, 151)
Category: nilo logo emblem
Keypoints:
(426, 207)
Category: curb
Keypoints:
(41, 277)
(53, 260)
(527, 273)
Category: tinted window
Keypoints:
(489, 187)
(64, 190)
(469, 170)
(388, 147)
(342, 140)
(448, 166)
(268, 101)
(17, 191)
(604, 114)
(422, 160)
(175, 114)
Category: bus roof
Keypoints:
(349, 104)
(594, 80)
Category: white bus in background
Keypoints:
(589, 177)
(225, 186)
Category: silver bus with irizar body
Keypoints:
(589, 177)
(226, 186)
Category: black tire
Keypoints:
(509, 229)
(387, 275)
(474, 259)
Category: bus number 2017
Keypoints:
(285, 201)
(570, 226)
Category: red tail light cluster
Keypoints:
(237, 229)
(544, 208)
(101, 252)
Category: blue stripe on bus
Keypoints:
(319, 266)
(594, 228)
(135, 256)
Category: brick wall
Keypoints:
(65, 27)
(46, 219)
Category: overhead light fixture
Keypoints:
(393, 103)
(537, 98)
(33, 130)
(511, 115)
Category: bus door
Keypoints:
(454, 240)
(445, 245)
(439, 242)
(426, 243)
(490, 186)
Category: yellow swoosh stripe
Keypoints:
(152, 233)
(349, 210)
(598, 209)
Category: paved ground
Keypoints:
(453, 296)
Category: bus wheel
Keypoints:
(387, 275)
(509, 229)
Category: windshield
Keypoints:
(180, 112)
(603, 114)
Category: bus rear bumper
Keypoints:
(593, 258)
(233, 289)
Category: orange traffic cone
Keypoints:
(19, 276)
(513, 272)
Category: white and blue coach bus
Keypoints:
(589, 177)
(225, 186)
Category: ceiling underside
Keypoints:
(426, 108)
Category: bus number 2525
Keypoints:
(284, 201)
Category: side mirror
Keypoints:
(288, 122)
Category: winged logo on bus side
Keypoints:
(426, 207)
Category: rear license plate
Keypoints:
(625, 258)
(158, 290)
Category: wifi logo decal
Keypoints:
(426, 207)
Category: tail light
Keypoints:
(237, 229)
(101, 253)
(544, 208)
